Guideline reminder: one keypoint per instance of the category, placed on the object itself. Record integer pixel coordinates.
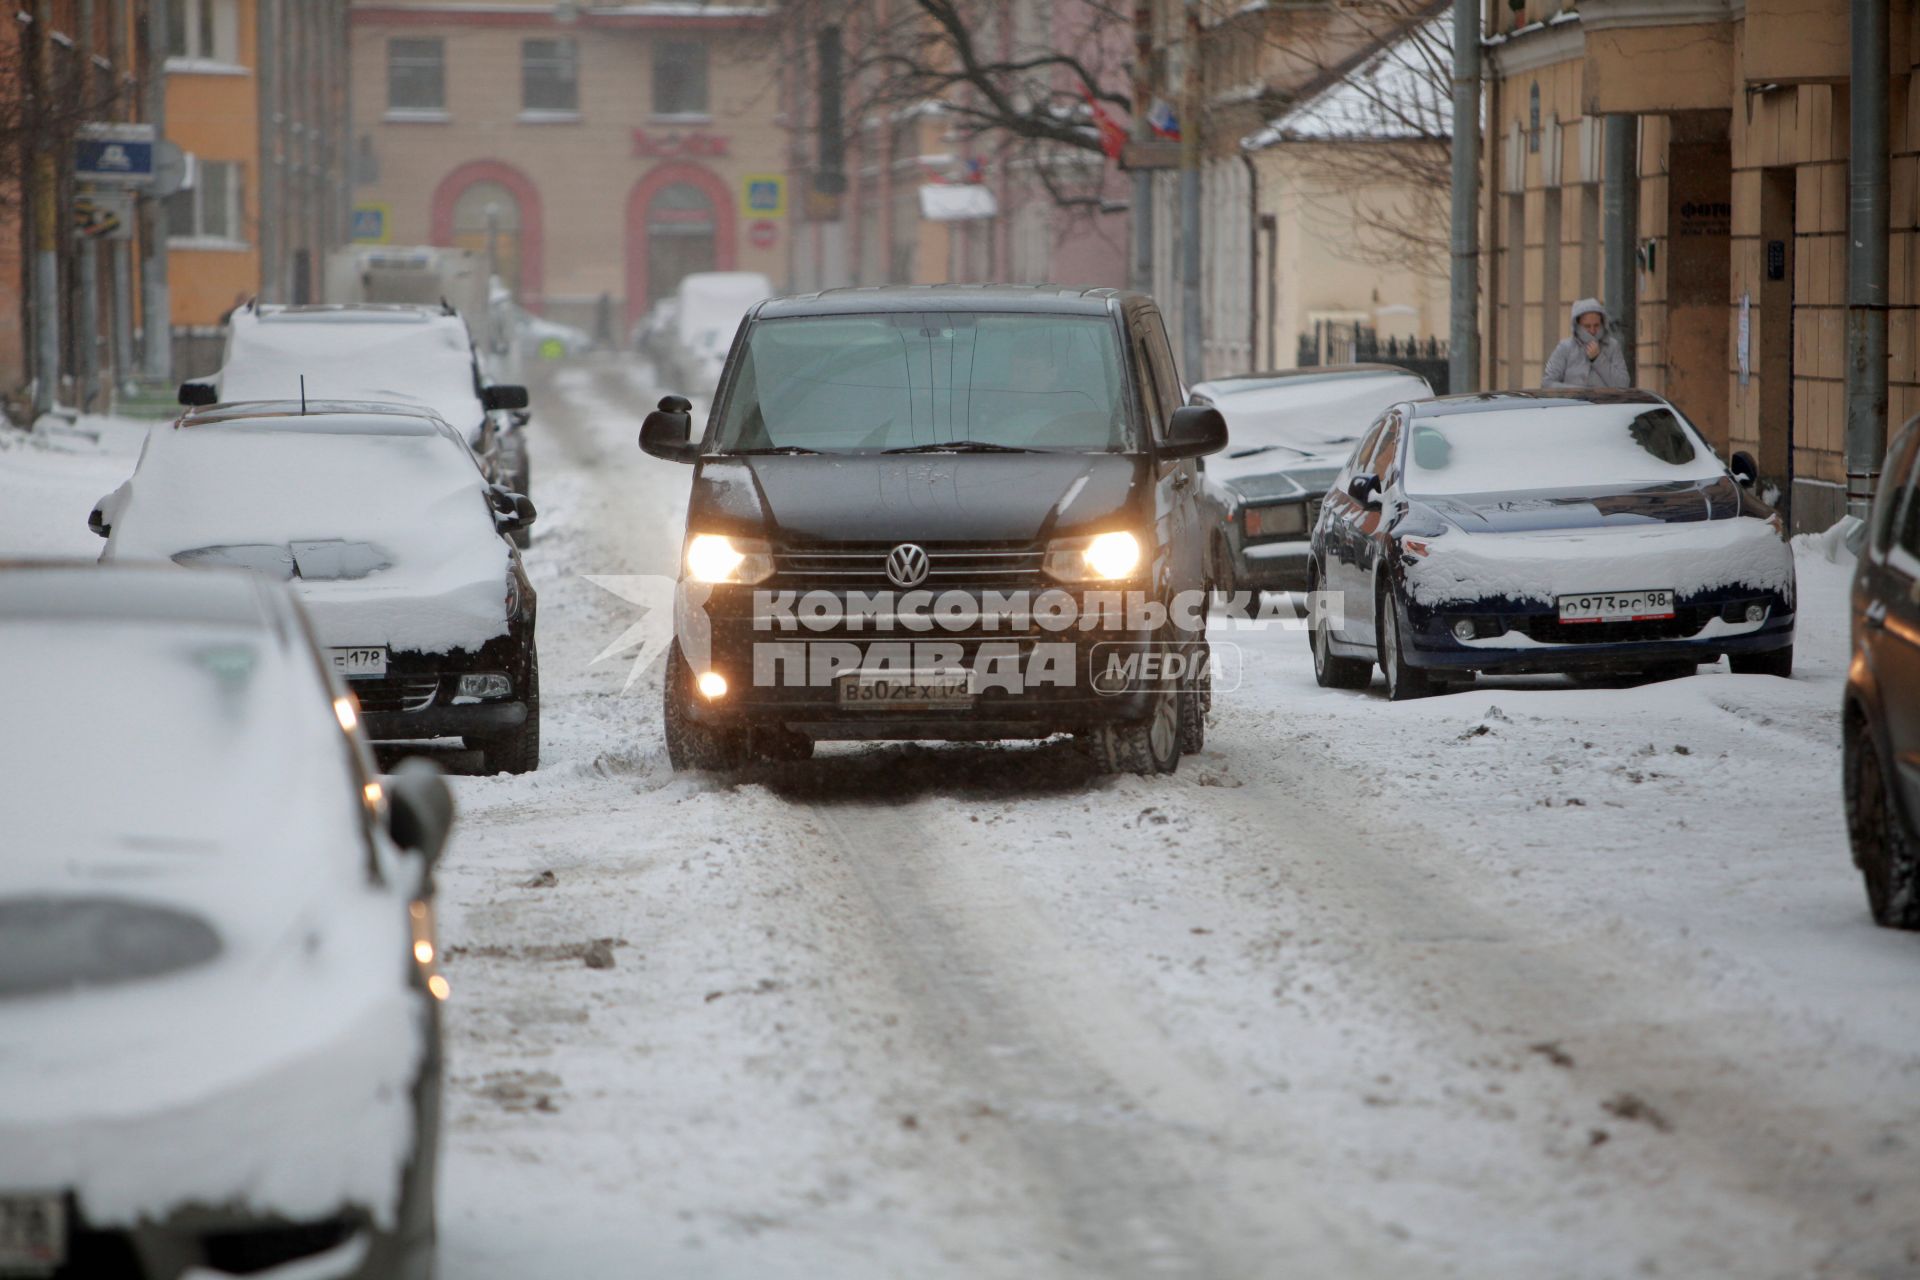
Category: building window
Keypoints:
(211, 209)
(549, 76)
(203, 30)
(416, 75)
(679, 78)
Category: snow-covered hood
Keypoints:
(387, 540)
(983, 497)
(1540, 563)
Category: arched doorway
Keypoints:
(486, 219)
(680, 220)
(460, 217)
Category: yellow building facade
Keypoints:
(1742, 127)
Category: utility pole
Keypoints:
(1192, 348)
(1867, 219)
(156, 301)
(1141, 277)
(119, 250)
(87, 265)
(1463, 338)
(46, 221)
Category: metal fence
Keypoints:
(1340, 342)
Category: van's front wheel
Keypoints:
(690, 744)
(1151, 745)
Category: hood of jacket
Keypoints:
(1583, 307)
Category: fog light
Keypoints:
(488, 684)
(712, 684)
(1756, 612)
(1463, 630)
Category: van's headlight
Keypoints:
(713, 557)
(1100, 557)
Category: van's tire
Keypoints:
(1888, 861)
(1151, 745)
(690, 744)
(1774, 662)
(1404, 682)
(1196, 699)
(519, 750)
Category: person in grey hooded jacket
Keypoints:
(1590, 357)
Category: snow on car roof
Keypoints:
(405, 356)
(1315, 414)
(130, 593)
(324, 417)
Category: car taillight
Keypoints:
(1275, 521)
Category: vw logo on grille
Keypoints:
(907, 565)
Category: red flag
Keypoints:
(1113, 134)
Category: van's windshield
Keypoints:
(924, 380)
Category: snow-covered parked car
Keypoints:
(382, 522)
(219, 1024)
(387, 352)
(1290, 431)
(1565, 531)
(709, 306)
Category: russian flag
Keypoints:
(1162, 121)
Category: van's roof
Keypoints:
(1045, 299)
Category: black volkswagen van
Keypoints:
(942, 513)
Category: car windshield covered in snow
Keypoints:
(921, 380)
(323, 497)
(1600, 446)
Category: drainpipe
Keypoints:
(266, 61)
(1192, 350)
(1463, 338)
(1141, 278)
(87, 260)
(155, 300)
(1253, 256)
(1620, 212)
(119, 250)
(1867, 257)
(46, 222)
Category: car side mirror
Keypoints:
(97, 521)
(667, 432)
(512, 511)
(1744, 468)
(198, 394)
(419, 808)
(1195, 430)
(504, 395)
(1365, 490)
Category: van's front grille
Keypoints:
(864, 565)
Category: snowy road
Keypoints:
(1530, 980)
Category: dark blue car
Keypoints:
(1552, 531)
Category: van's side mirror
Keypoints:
(1365, 490)
(668, 430)
(1744, 468)
(1195, 430)
(419, 808)
(505, 395)
(198, 394)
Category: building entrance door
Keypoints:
(680, 238)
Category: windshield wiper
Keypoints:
(1268, 448)
(961, 446)
(774, 448)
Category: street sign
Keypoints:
(105, 214)
(763, 234)
(369, 224)
(120, 154)
(764, 195)
(1152, 153)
